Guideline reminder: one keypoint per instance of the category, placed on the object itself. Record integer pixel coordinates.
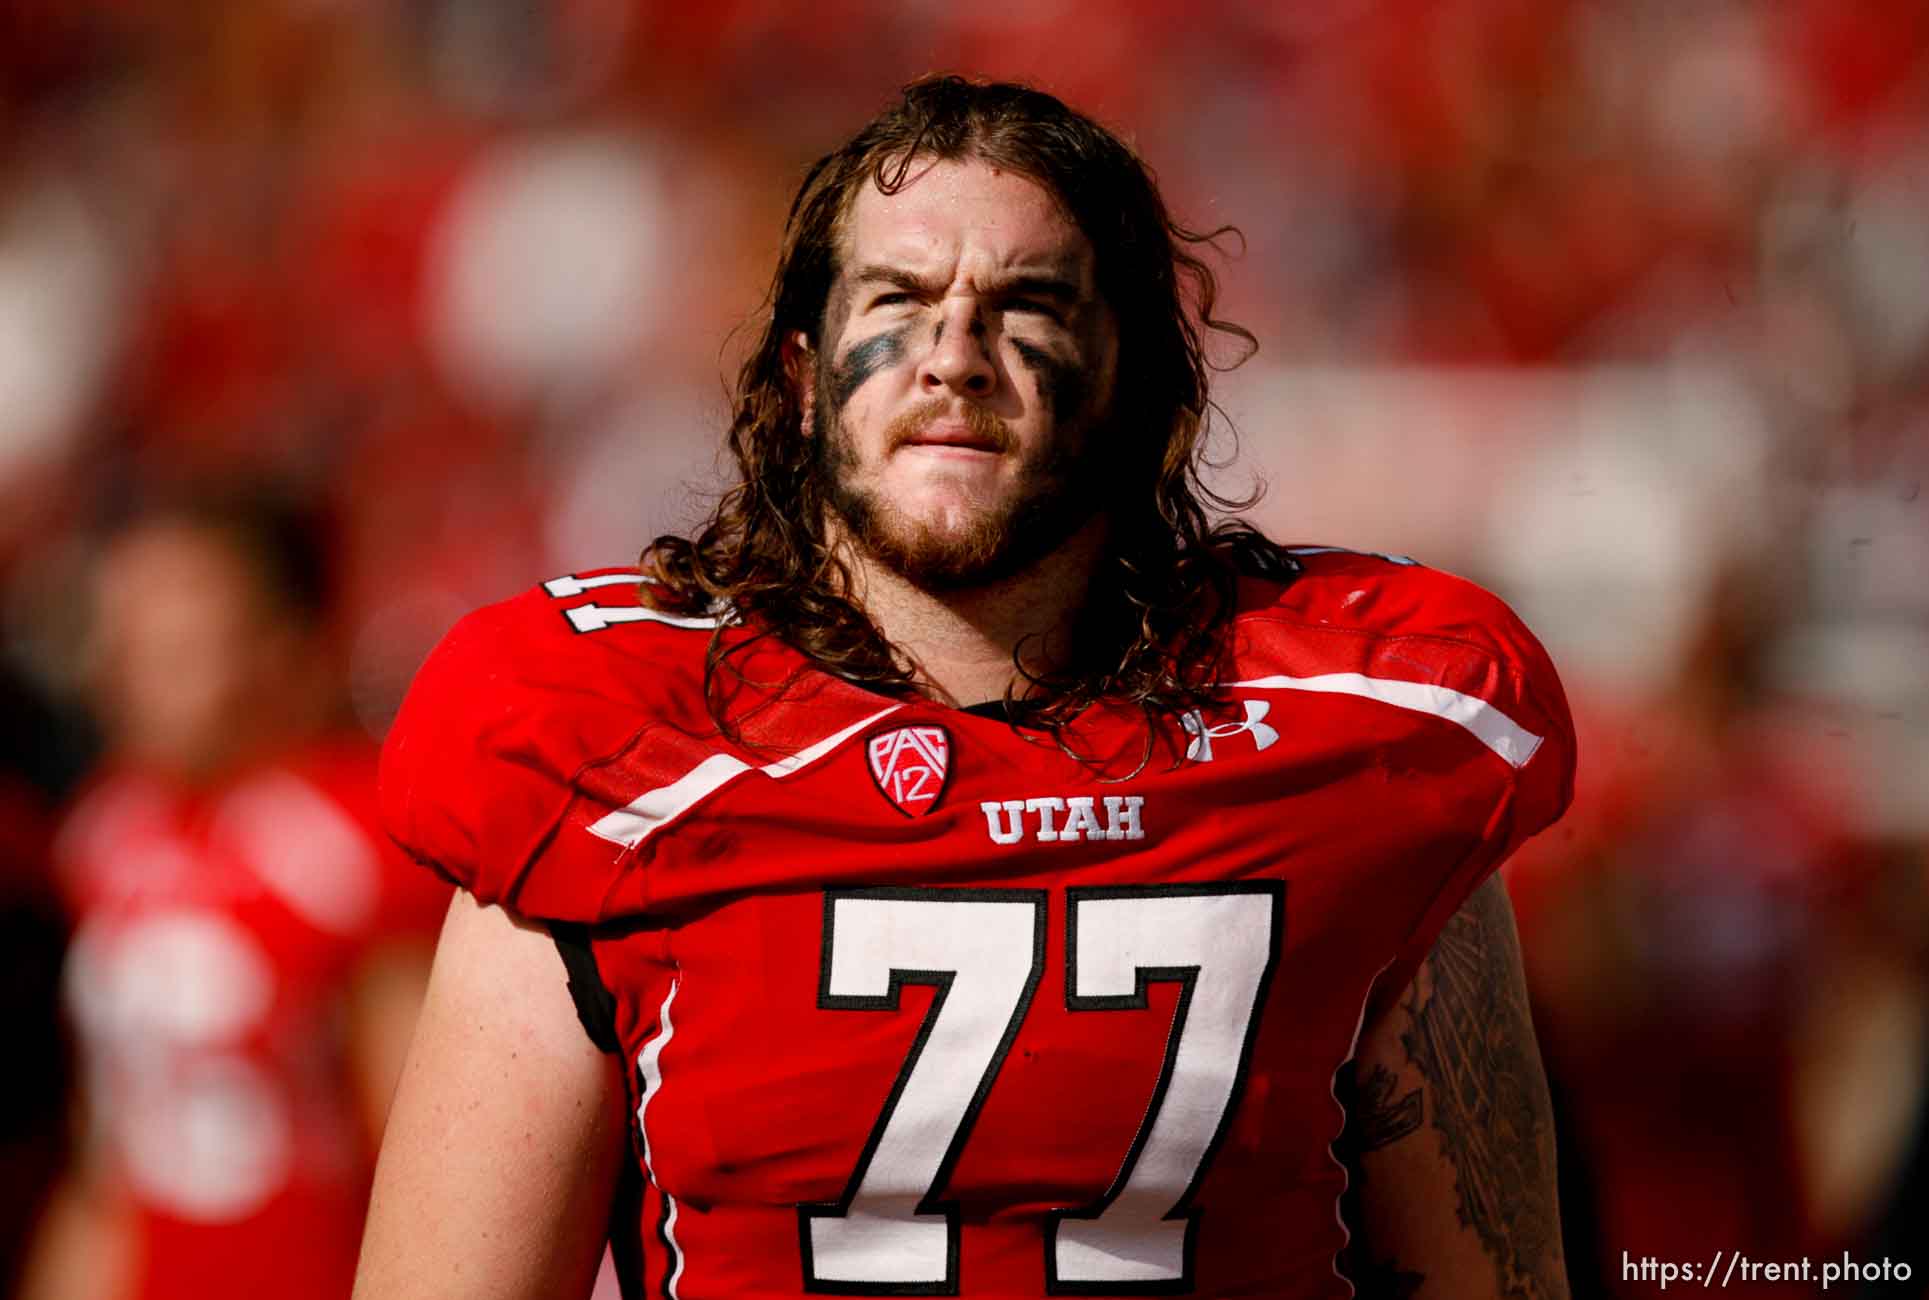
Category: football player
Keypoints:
(249, 949)
(973, 871)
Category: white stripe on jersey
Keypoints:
(649, 1063)
(1332, 1090)
(571, 585)
(1488, 724)
(654, 809)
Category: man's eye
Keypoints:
(890, 299)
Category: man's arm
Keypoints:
(507, 1132)
(1450, 1132)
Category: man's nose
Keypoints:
(959, 357)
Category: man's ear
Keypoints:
(800, 370)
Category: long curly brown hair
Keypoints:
(1151, 631)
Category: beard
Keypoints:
(1057, 497)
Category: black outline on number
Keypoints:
(1187, 977)
(941, 980)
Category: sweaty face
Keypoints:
(965, 369)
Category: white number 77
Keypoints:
(984, 951)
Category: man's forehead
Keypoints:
(1003, 220)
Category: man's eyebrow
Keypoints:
(1040, 284)
(876, 274)
(1037, 285)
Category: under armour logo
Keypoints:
(1202, 735)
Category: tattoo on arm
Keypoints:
(1376, 1118)
(1382, 1278)
(1472, 1039)
(1381, 1118)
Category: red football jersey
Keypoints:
(217, 932)
(917, 1002)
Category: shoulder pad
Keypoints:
(1417, 638)
(516, 702)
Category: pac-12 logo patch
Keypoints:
(910, 765)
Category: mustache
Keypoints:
(985, 427)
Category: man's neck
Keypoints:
(962, 644)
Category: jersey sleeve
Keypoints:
(480, 768)
(1524, 692)
(548, 738)
(1443, 646)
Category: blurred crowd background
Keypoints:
(1621, 308)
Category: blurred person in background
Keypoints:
(249, 953)
(1728, 973)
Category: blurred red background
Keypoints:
(1621, 308)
